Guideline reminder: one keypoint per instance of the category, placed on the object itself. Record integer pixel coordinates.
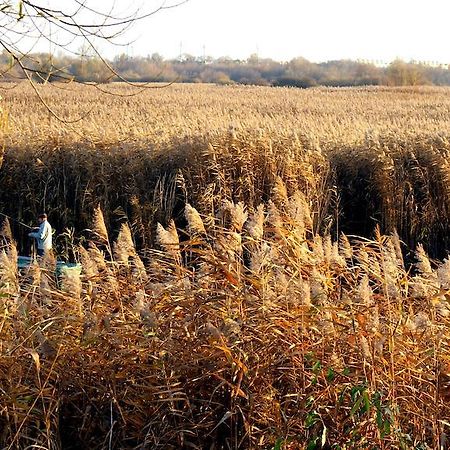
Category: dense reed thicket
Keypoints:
(311, 343)
(220, 305)
(362, 157)
(150, 185)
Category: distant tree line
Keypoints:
(299, 72)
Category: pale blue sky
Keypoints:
(318, 30)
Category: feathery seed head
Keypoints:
(195, 222)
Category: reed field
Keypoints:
(262, 268)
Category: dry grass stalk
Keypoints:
(443, 274)
(138, 272)
(238, 214)
(123, 247)
(279, 192)
(195, 222)
(344, 247)
(169, 240)
(90, 269)
(8, 271)
(5, 231)
(423, 263)
(255, 224)
(99, 227)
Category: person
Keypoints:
(43, 235)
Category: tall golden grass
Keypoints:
(364, 156)
(220, 304)
(325, 115)
(312, 343)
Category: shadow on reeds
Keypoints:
(395, 184)
(150, 185)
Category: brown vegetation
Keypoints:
(312, 343)
(244, 319)
(363, 157)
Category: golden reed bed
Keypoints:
(330, 116)
(249, 320)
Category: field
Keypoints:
(256, 268)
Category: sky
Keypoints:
(319, 30)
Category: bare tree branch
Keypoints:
(62, 27)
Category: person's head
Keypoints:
(42, 217)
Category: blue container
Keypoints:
(24, 262)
